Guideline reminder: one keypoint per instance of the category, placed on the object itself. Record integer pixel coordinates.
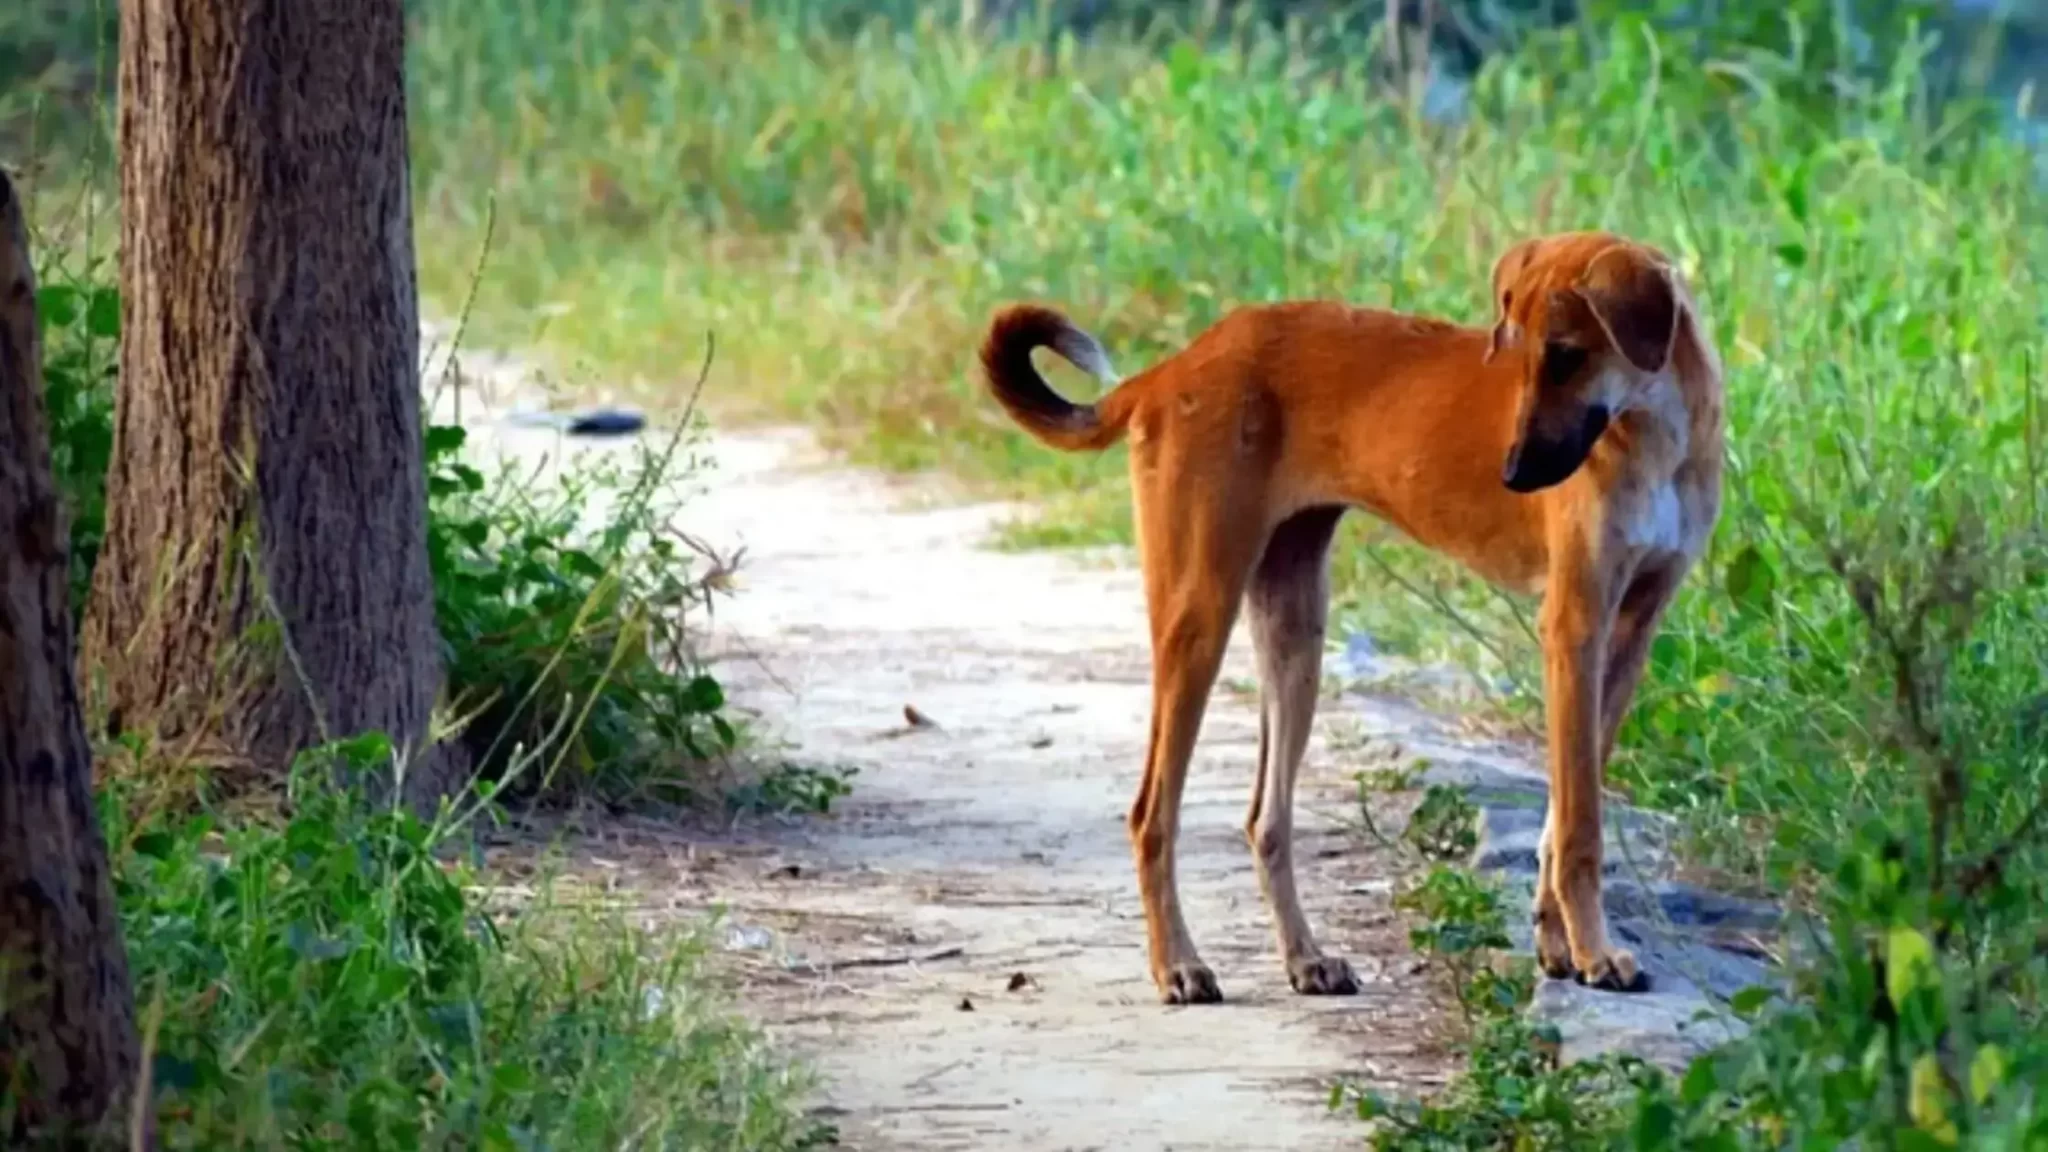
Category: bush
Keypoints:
(81, 322)
(570, 642)
(332, 982)
(561, 641)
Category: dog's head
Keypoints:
(1598, 315)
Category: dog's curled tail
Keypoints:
(1030, 401)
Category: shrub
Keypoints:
(571, 641)
(331, 981)
(556, 636)
(80, 325)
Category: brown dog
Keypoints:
(1575, 450)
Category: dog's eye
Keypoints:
(1561, 362)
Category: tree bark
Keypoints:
(264, 582)
(67, 1024)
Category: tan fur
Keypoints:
(1485, 445)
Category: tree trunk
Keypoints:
(67, 1025)
(264, 582)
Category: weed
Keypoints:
(1513, 1092)
(563, 608)
(793, 788)
(1445, 825)
(331, 981)
(562, 638)
(81, 322)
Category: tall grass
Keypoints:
(848, 207)
(335, 980)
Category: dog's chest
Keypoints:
(1653, 520)
(1660, 507)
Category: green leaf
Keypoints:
(1987, 1071)
(1748, 1002)
(103, 313)
(1794, 190)
(1793, 254)
(1655, 1124)
(369, 750)
(155, 845)
(442, 438)
(512, 1078)
(703, 694)
(1907, 956)
(579, 563)
(1700, 1080)
(1750, 581)
(1916, 339)
(57, 306)
(1184, 67)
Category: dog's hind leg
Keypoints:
(1195, 571)
(1287, 605)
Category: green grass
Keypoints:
(845, 210)
(333, 981)
(1845, 702)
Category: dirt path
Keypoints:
(994, 842)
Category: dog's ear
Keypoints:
(1635, 303)
(1507, 331)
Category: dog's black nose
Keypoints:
(1536, 462)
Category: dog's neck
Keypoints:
(1652, 424)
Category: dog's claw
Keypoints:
(1615, 972)
(1323, 976)
(1190, 984)
(1553, 950)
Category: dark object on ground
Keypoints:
(604, 421)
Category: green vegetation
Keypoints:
(565, 635)
(1846, 704)
(314, 970)
(329, 981)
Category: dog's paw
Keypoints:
(1322, 976)
(1615, 971)
(1553, 947)
(1190, 983)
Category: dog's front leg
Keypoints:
(1628, 650)
(1571, 927)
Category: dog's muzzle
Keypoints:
(1537, 462)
